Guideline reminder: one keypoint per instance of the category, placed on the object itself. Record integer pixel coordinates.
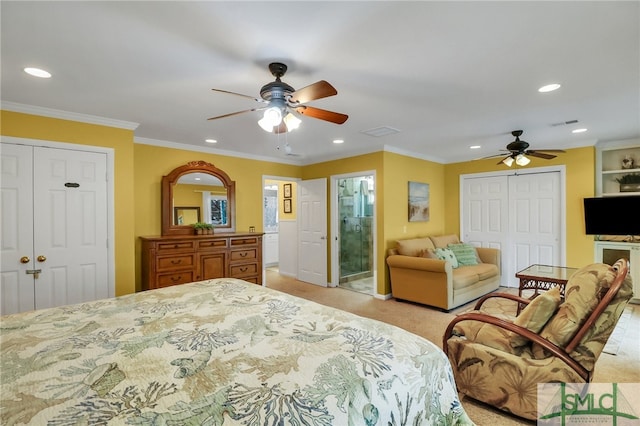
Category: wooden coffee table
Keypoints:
(543, 278)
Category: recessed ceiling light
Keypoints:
(211, 141)
(578, 130)
(37, 72)
(549, 88)
(475, 147)
(337, 141)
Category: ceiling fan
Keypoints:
(282, 100)
(518, 151)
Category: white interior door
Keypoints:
(485, 207)
(56, 216)
(17, 291)
(71, 226)
(312, 231)
(521, 214)
(534, 225)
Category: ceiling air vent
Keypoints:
(381, 131)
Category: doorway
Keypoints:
(354, 248)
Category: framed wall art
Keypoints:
(287, 190)
(418, 202)
(287, 205)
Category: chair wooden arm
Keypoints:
(501, 295)
(535, 338)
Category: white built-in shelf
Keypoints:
(609, 158)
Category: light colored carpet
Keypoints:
(431, 324)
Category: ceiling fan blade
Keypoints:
(239, 94)
(546, 150)
(491, 156)
(234, 113)
(318, 90)
(540, 155)
(322, 114)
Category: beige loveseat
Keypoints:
(418, 277)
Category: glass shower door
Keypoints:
(355, 206)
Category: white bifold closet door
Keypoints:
(54, 227)
(519, 214)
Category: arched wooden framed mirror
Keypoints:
(198, 184)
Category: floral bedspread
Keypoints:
(218, 352)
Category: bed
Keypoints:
(218, 352)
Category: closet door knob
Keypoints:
(41, 258)
(25, 259)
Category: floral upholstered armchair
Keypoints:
(500, 360)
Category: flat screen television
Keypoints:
(612, 215)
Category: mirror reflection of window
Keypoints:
(215, 208)
(218, 211)
(271, 208)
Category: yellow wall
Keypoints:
(121, 140)
(153, 162)
(139, 169)
(393, 172)
(394, 219)
(580, 178)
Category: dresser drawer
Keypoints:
(247, 254)
(174, 260)
(245, 241)
(247, 269)
(177, 261)
(182, 277)
(212, 244)
(167, 246)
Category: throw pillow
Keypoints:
(429, 254)
(536, 314)
(447, 254)
(582, 293)
(465, 253)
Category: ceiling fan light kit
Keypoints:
(521, 160)
(283, 99)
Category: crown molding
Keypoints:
(396, 150)
(66, 115)
(195, 148)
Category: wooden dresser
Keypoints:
(172, 260)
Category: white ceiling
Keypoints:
(446, 74)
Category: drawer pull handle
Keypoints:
(243, 269)
(176, 279)
(176, 246)
(176, 262)
(244, 254)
